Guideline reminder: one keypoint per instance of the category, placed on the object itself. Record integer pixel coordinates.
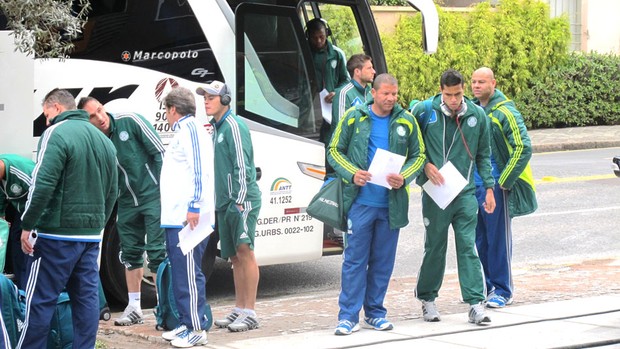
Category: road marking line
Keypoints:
(552, 179)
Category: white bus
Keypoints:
(132, 53)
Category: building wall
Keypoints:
(602, 31)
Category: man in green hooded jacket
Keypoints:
(455, 131)
(514, 191)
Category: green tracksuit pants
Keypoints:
(462, 214)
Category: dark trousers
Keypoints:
(56, 265)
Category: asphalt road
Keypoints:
(579, 200)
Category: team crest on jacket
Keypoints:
(123, 136)
(356, 101)
(400, 130)
(334, 63)
(16, 189)
(220, 138)
(472, 122)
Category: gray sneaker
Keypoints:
(229, 319)
(477, 315)
(429, 310)
(244, 322)
(130, 316)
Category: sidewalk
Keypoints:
(573, 138)
(575, 323)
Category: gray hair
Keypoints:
(62, 97)
(384, 78)
(182, 99)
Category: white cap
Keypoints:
(215, 88)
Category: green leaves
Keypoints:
(516, 39)
(44, 28)
(582, 91)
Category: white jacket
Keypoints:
(187, 179)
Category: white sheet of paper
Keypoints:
(454, 182)
(326, 107)
(383, 163)
(188, 239)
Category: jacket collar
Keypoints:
(76, 114)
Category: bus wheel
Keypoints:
(112, 272)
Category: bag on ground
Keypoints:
(327, 205)
(61, 326)
(166, 313)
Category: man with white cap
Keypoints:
(237, 203)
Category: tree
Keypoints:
(45, 28)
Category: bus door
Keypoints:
(275, 94)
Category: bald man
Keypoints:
(514, 186)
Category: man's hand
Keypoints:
(26, 246)
(489, 202)
(361, 177)
(433, 174)
(395, 180)
(192, 219)
(329, 97)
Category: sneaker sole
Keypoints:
(340, 333)
(138, 322)
(495, 305)
(484, 321)
(436, 319)
(222, 325)
(371, 327)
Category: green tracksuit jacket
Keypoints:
(235, 172)
(75, 180)
(16, 182)
(139, 151)
(347, 96)
(348, 153)
(512, 149)
(444, 142)
(330, 68)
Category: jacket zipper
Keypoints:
(133, 195)
(148, 169)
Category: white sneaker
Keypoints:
(477, 315)
(244, 322)
(429, 310)
(174, 334)
(190, 338)
(229, 319)
(131, 316)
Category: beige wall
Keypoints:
(602, 26)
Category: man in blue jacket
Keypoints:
(376, 212)
(73, 191)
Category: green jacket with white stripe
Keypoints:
(512, 150)
(235, 174)
(74, 182)
(139, 152)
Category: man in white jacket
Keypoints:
(187, 196)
